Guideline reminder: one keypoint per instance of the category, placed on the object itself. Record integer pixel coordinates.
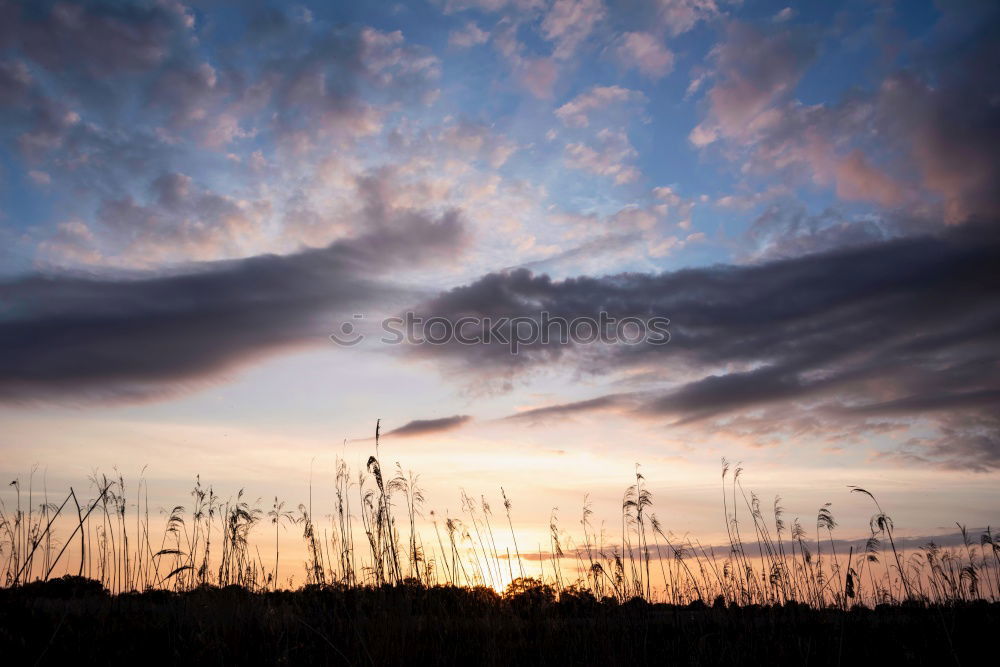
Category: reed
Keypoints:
(216, 542)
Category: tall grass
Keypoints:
(375, 537)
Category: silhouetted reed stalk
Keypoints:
(513, 535)
(481, 557)
(344, 530)
(881, 523)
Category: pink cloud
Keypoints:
(569, 23)
(754, 70)
(858, 180)
(468, 36)
(951, 131)
(680, 16)
(645, 52)
(611, 158)
(537, 76)
(575, 112)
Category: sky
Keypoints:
(195, 196)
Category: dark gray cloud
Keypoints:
(78, 338)
(91, 57)
(882, 329)
(15, 83)
(97, 38)
(538, 415)
(425, 426)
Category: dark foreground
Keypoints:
(76, 623)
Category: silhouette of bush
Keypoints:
(63, 588)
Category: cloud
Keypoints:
(317, 92)
(947, 120)
(964, 442)
(72, 243)
(334, 86)
(916, 145)
(537, 76)
(610, 158)
(39, 177)
(787, 229)
(328, 88)
(907, 543)
(468, 36)
(600, 250)
(858, 180)
(536, 415)
(181, 222)
(425, 426)
(452, 6)
(575, 113)
(786, 14)
(680, 16)
(603, 241)
(79, 338)
(99, 38)
(754, 69)
(15, 83)
(477, 141)
(646, 53)
(535, 73)
(266, 145)
(879, 329)
(569, 22)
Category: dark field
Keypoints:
(73, 621)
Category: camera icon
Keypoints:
(347, 335)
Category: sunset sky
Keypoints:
(194, 196)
